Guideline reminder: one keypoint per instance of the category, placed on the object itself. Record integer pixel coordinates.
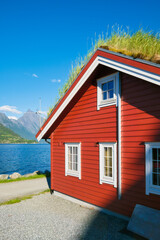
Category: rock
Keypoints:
(15, 175)
(37, 172)
(32, 174)
(4, 176)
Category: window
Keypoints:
(107, 91)
(73, 159)
(108, 166)
(152, 151)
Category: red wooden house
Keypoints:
(105, 134)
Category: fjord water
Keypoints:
(24, 158)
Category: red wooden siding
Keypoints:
(110, 56)
(140, 124)
(83, 123)
(86, 125)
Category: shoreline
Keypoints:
(5, 178)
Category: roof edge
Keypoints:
(128, 62)
(130, 57)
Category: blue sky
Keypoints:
(39, 40)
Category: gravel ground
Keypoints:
(51, 217)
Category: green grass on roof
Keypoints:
(140, 44)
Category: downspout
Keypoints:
(119, 137)
(51, 160)
(46, 140)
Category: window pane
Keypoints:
(75, 158)
(74, 150)
(110, 162)
(110, 85)
(75, 166)
(70, 165)
(109, 151)
(104, 86)
(158, 166)
(104, 95)
(69, 158)
(105, 162)
(110, 94)
(158, 153)
(154, 166)
(105, 151)
(70, 154)
(110, 172)
(154, 153)
(154, 179)
(105, 171)
(158, 179)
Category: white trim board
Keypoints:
(142, 74)
(89, 205)
(136, 72)
(119, 137)
(150, 188)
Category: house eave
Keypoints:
(130, 57)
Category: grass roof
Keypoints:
(140, 44)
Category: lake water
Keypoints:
(24, 158)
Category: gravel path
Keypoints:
(12, 190)
(51, 217)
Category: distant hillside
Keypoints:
(30, 120)
(8, 136)
(27, 126)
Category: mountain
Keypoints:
(30, 120)
(15, 126)
(26, 126)
(8, 136)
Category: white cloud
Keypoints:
(56, 80)
(12, 117)
(35, 75)
(42, 113)
(12, 109)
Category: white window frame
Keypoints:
(111, 101)
(67, 170)
(105, 179)
(150, 188)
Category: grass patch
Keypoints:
(18, 200)
(24, 178)
(45, 191)
(140, 44)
